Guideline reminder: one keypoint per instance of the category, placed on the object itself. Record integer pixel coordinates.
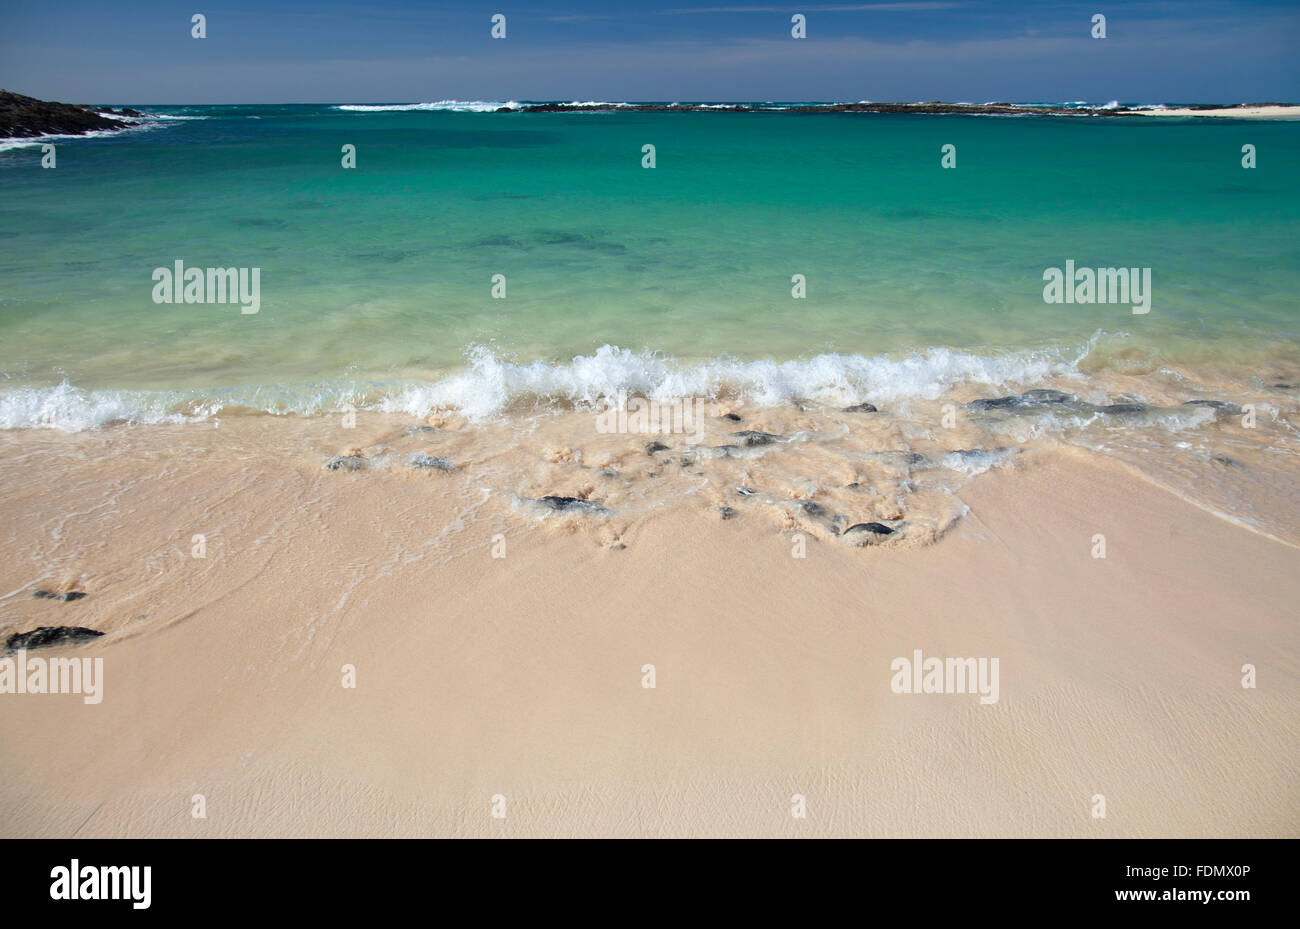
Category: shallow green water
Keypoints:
(382, 274)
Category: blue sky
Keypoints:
(396, 51)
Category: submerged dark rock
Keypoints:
(1222, 406)
(1043, 395)
(726, 512)
(994, 403)
(861, 408)
(812, 508)
(655, 447)
(46, 636)
(752, 437)
(899, 458)
(1120, 409)
(1027, 400)
(735, 418)
(345, 463)
(430, 462)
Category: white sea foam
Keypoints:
(490, 384)
(72, 409)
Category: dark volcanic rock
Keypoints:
(26, 117)
(655, 447)
(752, 437)
(1119, 409)
(345, 463)
(861, 408)
(726, 512)
(735, 418)
(571, 505)
(46, 636)
(812, 508)
(430, 462)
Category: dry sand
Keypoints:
(522, 676)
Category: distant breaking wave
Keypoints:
(454, 106)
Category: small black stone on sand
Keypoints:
(655, 447)
(46, 636)
(876, 528)
(861, 408)
(66, 597)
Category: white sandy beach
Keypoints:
(1240, 112)
(522, 676)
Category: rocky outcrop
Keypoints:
(26, 117)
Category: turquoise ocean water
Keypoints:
(376, 282)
